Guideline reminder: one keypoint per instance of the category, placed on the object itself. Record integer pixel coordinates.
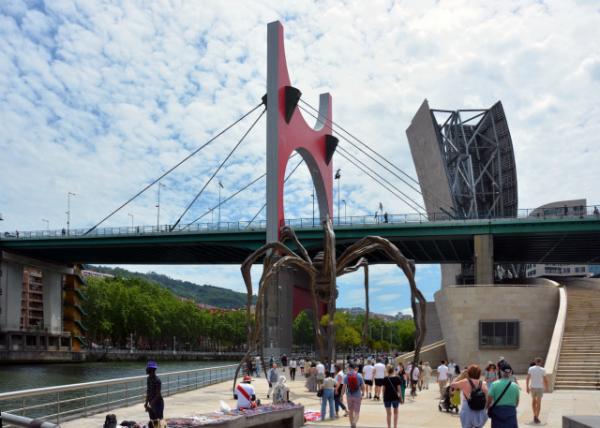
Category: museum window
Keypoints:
(498, 334)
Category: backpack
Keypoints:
(353, 385)
(110, 421)
(477, 399)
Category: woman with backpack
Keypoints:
(473, 397)
(392, 396)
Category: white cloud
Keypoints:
(99, 98)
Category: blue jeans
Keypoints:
(327, 398)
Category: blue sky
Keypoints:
(100, 97)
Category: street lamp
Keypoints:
(69, 194)
(345, 217)
(338, 177)
(313, 206)
(45, 221)
(219, 216)
(158, 206)
(131, 215)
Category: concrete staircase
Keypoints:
(579, 360)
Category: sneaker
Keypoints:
(536, 420)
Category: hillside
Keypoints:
(206, 294)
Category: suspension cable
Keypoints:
(218, 169)
(369, 173)
(174, 167)
(284, 181)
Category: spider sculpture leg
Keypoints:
(371, 244)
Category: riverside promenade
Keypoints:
(420, 412)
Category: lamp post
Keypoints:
(313, 206)
(158, 206)
(345, 216)
(69, 194)
(45, 221)
(219, 216)
(131, 215)
(338, 177)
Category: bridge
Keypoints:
(570, 239)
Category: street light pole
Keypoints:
(131, 215)
(338, 177)
(69, 194)
(158, 206)
(219, 216)
(313, 206)
(345, 216)
(45, 221)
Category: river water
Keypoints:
(26, 376)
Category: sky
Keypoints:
(98, 98)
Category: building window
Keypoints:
(499, 334)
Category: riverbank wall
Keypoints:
(20, 357)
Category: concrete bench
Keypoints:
(581, 422)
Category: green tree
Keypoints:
(303, 332)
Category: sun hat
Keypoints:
(152, 365)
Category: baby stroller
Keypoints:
(450, 402)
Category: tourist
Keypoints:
(414, 374)
(379, 374)
(536, 384)
(293, 366)
(249, 368)
(491, 375)
(245, 394)
(327, 396)
(391, 396)
(257, 365)
(284, 362)
(503, 399)
(367, 372)
(403, 379)
(281, 393)
(320, 374)
(311, 378)
(426, 375)
(272, 378)
(451, 370)
(421, 375)
(154, 403)
(338, 397)
(353, 389)
(332, 369)
(301, 363)
(442, 377)
(473, 397)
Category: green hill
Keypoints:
(206, 294)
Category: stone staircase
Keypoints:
(579, 360)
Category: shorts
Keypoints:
(354, 403)
(537, 392)
(320, 378)
(379, 382)
(369, 382)
(388, 404)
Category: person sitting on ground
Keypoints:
(245, 394)
(281, 393)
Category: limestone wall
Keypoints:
(461, 308)
(432, 321)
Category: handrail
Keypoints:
(21, 421)
(585, 212)
(553, 355)
(85, 385)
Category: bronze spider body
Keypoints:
(322, 273)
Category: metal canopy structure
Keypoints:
(478, 156)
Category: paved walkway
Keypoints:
(421, 412)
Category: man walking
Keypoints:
(537, 384)
(379, 375)
(293, 365)
(442, 377)
(367, 372)
(272, 378)
(353, 388)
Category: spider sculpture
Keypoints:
(322, 272)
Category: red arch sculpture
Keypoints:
(287, 131)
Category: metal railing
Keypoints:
(20, 421)
(66, 402)
(580, 212)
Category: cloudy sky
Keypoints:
(98, 98)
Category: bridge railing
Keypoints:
(67, 402)
(378, 219)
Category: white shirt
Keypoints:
(379, 370)
(451, 369)
(332, 368)
(293, 364)
(537, 374)
(415, 375)
(302, 363)
(243, 402)
(368, 372)
(339, 378)
(442, 372)
(320, 368)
